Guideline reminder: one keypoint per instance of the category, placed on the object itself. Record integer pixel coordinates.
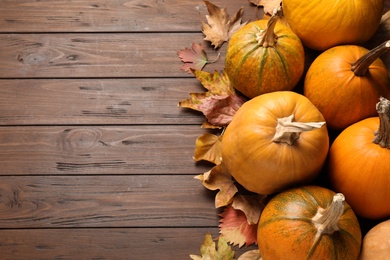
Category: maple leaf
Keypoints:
(235, 229)
(219, 27)
(219, 103)
(250, 255)
(194, 58)
(209, 251)
(268, 5)
(219, 179)
(208, 148)
(251, 205)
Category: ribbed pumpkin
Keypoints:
(308, 222)
(323, 24)
(274, 141)
(345, 82)
(359, 164)
(264, 56)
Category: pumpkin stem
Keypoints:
(360, 67)
(288, 131)
(267, 38)
(382, 135)
(326, 220)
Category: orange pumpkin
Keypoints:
(345, 82)
(309, 222)
(376, 243)
(324, 24)
(275, 141)
(264, 56)
(360, 167)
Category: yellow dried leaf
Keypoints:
(208, 148)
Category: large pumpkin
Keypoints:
(359, 164)
(264, 56)
(275, 141)
(309, 222)
(324, 24)
(345, 82)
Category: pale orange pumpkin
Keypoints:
(274, 141)
(359, 164)
(324, 24)
(376, 243)
(308, 222)
(345, 82)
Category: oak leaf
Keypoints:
(209, 251)
(208, 148)
(268, 5)
(234, 227)
(219, 103)
(219, 27)
(194, 58)
(219, 179)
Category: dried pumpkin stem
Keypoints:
(360, 67)
(288, 131)
(267, 38)
(382, 135)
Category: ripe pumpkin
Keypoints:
(308, 222)
(345, 82)
(264, 56)
(274, 141)
(324, 24)
(359, 165)
(376, 243)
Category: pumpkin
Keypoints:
(274, 141)
(309, 222)
(264, 56)
(359, 165)
(376, 243)
(324, 24)
(345, 82)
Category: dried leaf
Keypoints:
(235, 229)
(221, 101)
(251, 205)
(208, 148)
(251, 255)
(209, 251)
(268, 5)
(219, 179)
(194, 58)
(219, 27)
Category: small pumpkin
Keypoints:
(264, 56)
(324, 24)
(345, 82)
(308, 222)
(274, 141)
(376, 243)
(359, 165)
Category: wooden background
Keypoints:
(95, 156)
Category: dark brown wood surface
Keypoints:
(95, 156)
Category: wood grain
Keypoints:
(105, 201)
(99, 150)
(97, 101)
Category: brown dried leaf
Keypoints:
(219, 27)
(235, 229)
(219, 179)
(194, 58)
(251, 205)
(268, 5)
(208, 148)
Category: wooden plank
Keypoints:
(105, 201)
(97, 101)
(98, 55)
(110, 15)
(120, 243)
(144, 149)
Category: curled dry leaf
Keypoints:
(235, 229)
(219, 103)
(219, 27)
(219, 179)
(208, 148)
(251, 205)
(209, 251)
(250, 255)
(268, 5)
